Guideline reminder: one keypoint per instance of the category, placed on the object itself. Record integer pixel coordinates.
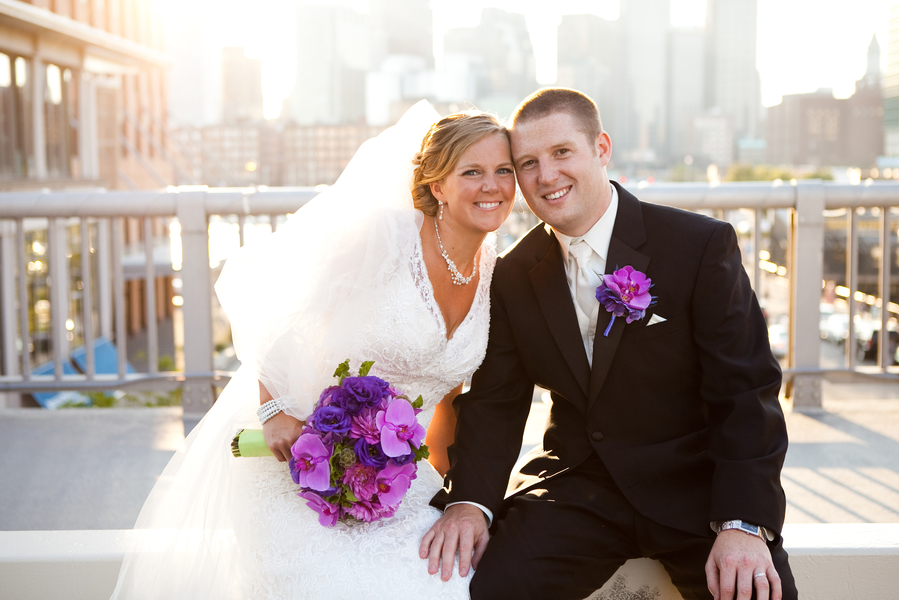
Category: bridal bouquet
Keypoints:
(356, 457)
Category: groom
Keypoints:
(665, 437)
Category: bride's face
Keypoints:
(479, 192)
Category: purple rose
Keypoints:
(393, 482)
(369, 390)
(370, 455)
(362, 480)
(399, 428)
(327, 512)
(338, 396)
(365, 426)
(331, 418)
(312, 460)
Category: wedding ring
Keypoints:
(758, 575)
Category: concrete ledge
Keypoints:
(830, 562)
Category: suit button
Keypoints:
(597, 436)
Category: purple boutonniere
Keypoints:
(625, 293)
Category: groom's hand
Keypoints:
(734, 561)
(462, 527)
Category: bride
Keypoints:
(365, 271)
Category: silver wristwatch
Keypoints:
(744, 527)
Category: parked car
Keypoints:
(779, 338)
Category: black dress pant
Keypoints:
(565, 539)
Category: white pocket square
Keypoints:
(656, 319)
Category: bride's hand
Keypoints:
(280, 432)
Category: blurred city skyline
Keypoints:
(803, 45)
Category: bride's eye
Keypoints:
(469, 172)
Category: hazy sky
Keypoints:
(802, 44)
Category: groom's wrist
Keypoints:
(487, 513)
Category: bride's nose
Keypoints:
(490, 185)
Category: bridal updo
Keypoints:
(443, 145)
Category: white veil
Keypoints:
(293, 299)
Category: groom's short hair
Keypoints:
(550, 101)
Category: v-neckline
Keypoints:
(431, 299)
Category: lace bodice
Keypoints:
(405, 334)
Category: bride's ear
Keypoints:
(437, 190)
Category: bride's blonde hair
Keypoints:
(443, 146)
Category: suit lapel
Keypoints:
(554, 297)
(627, 236)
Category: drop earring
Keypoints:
(440, 211)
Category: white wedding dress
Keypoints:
(345, 278)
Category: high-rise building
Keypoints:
(891, 87)
(402, 27)
(195, 79)
(587, 60)
(644, 78)
(686, 100)
(732, 80)
(501, 43)
(864, 114)
(241, 86)
(402, 59)
(333, 57)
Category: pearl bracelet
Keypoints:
(270, 409)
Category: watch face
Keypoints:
(753, 529)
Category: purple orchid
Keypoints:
(362, 480)
(399, 428)
(625, 293)
(393, 482)
(312, 460)
(328, 514)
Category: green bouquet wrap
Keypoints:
(249, 442)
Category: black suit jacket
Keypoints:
(683, 413)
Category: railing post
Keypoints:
(9, 325)
(807, 271)
(197, 310)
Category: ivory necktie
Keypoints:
(586, 280)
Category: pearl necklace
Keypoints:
(458, 278)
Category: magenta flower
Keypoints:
(365, 426)
(393, 482)
(625, 293)
(399, 428)
(328, 514)
(313, 462)
(368, 511)
(361, 479)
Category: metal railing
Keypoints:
(804, 202)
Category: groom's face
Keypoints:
(561, 172)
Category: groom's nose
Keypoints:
(547, 172)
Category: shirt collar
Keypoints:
(599, 236)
